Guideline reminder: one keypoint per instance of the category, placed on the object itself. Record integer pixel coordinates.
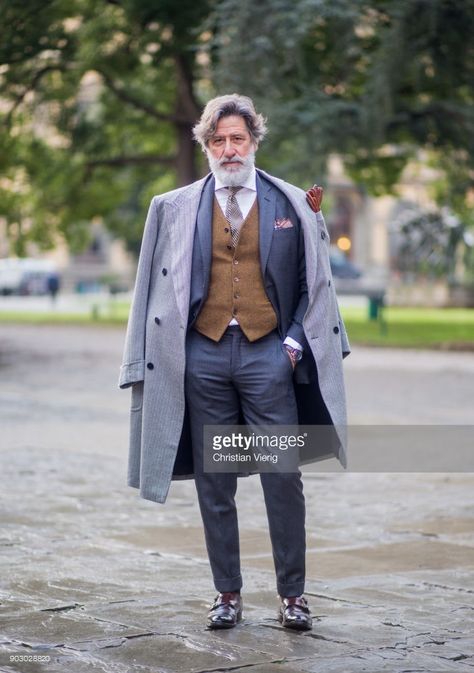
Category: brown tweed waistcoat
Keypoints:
(236, 287)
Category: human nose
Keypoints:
(229, 149)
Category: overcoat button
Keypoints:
(336, 330)
(323, 235)
(164, 272)
(226, 229)
(229, 247)
(157, 320)
(150, 365)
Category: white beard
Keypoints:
(235, 176)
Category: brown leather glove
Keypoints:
(314, 197)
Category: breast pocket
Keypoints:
(284, 231)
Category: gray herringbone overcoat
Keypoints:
(154, 355)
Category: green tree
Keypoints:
(98, 100)
(374, 81)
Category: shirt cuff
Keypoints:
(294, 344)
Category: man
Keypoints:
(234, 317)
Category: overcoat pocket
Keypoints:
(137, 396)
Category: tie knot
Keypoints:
(233, 190)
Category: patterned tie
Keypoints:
(233, 214)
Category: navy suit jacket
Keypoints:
(282, 260)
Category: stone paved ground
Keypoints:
(92, 576)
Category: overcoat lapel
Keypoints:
(181, 226)
(266, 198)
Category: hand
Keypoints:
(292, 358)
(292, 355)
(314, 197)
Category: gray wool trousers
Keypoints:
(256, 377)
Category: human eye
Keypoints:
(217, 141)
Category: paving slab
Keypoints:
(95, 579)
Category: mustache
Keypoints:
(226, 160)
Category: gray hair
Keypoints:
(225, 106)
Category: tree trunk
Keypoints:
(186, 168)
(186, 107)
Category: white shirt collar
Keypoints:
(250, 182)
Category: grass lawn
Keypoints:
(103, 313)
(412, 327)
(400, 327)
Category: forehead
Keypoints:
(231, 125)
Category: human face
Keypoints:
(231, 151)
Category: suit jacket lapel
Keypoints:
(204, 228)
(266, 198)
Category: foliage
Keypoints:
(98, 103)
(98, 98)
(373, 81)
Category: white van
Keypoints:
(25, 276)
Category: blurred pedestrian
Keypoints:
(53, 285)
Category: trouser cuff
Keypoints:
(288, 590)
(228, 584)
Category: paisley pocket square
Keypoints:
(283, 223)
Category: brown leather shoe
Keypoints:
(226, 611)
(295, 614)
